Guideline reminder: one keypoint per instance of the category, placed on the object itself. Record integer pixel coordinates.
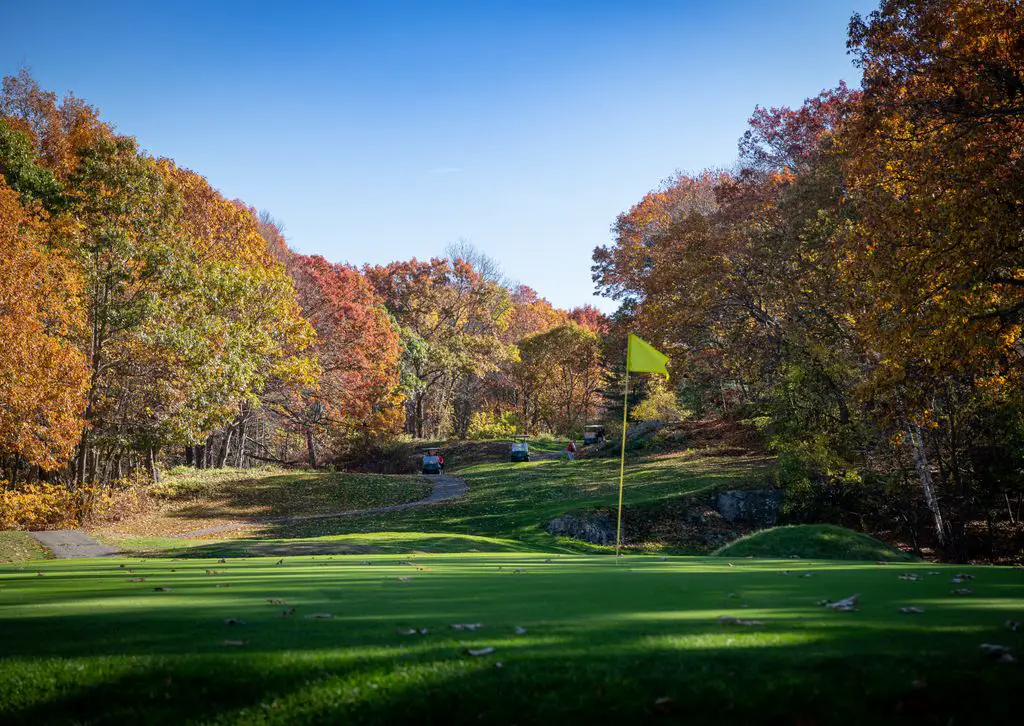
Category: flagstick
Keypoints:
(622, 459)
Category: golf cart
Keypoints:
(593, 434)
(520, 449)
(432, 461)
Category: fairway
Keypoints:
(146, 640)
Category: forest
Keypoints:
(851, 289)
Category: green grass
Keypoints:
(19, 547)
(516, 501)
(631, 642)
(815, 541)
(370, 543)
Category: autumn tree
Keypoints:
(559, 375)
(933, 167)
(451, 319)
(356, 395)
(42, 374)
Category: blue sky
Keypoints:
(385, 130)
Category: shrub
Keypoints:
(486, 425)
(43, 506)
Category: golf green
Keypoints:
(374, 640)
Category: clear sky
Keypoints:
(383, 130)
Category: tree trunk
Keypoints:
(241, 445)
(924, 474)
(154, 473)
(223, 460)
(200, 456)
(80, 462)
(310, 448)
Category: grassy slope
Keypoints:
(507, 505)
(191, 499)
(515, 501)
(604, 642)
(817, 541)
(19, 547)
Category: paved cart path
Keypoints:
(69, 543)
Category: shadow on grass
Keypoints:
(83, 644)
(238, 494)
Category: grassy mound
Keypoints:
(813, 541)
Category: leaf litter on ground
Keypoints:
(844, 605)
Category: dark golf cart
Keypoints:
(432, 461)
(520, 449)
(593, 434)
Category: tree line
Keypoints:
(148, 321)
(854, 284)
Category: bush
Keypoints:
(661, 404)
(486, 425)
(43, 506)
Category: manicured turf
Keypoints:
(18, 547)
(821, 541)
(636, 641)
(371, 543)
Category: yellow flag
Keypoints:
(642, 357)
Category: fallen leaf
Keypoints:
(234, 642)
(911, 610)
(731, 620)
(287, 613)
(844, 605)
(962, 591)
(222, 584)
(480, 651)
(520, 630)
(276, 601)
(137, 579)
(161, 589)
(909, 576)
(1012, 625)
(404, 579)
(233, 621)
(319, 616)
(994, 648)
(1006, 658)
(466, 626)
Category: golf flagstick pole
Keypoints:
(622, 456)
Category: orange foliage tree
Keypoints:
(42, 374)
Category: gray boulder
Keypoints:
(593, 528)
(759, 507)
